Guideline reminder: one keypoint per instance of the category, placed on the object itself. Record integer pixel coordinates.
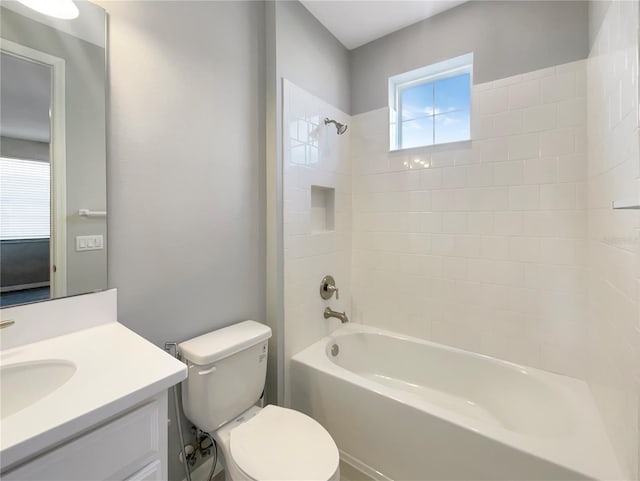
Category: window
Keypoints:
(24, 199)
(431, 105)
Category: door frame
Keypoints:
(57, 160)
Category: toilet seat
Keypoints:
(283, 444)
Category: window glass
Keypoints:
(417, 102)
(431, 105)
(452, 127)
(24, 199)
(452, 94)
(417, 132)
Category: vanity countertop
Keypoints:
(116, 370)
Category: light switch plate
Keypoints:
(89, 243)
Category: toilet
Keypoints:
(227, 372)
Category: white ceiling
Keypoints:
(356, 22)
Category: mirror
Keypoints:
(53, 224)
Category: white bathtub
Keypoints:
(405, 409)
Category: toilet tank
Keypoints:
(227, 371)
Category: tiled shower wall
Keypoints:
(614, 236)
(313, 155)
(481, 244)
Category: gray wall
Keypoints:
(186, 168)
(85, 139)
(310, 56)
(597, 14)
(507, 38)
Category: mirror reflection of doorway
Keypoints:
(25, 180)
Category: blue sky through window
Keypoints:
(435, 112)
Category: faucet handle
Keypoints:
(334, 289)
(328, 287)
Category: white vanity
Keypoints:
(82, 397)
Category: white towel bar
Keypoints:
(92, 213)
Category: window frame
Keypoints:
(431, 73)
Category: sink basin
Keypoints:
(22, 384)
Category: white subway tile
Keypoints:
(454, 267)
(524, 197)
(492, 101)
(488, 198)
(442, 245)
(508, 173)
(466, 246)
(419, 201)
(455, 223)
(419, 243)
(541, 171)
(481, 222)
(508, 223)
(557, 142)
(495, 247)
(506, 123)
(524, 249)
(541, 117)
(524, 146)
(558, 87)
(493, 150)
(453, 177)
(480, 175)
(431, 222)
(443, 200)
(558, 197)
(572, 112)
(430, 179)
(524, 94)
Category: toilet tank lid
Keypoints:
(216, 345)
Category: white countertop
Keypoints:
(116, 369)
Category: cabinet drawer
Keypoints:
(111, 451)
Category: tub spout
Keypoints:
(328, 312)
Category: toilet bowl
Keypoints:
(277, 444)
(227, 372)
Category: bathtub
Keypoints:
(403, 408)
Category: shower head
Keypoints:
(341, 128)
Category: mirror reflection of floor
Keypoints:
(26, 295)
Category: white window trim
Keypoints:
(397, 83)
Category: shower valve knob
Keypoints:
(328, 287)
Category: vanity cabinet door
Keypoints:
(112, 451)
(151, 472)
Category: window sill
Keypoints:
(433, 147)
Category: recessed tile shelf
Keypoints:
(322, 209)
